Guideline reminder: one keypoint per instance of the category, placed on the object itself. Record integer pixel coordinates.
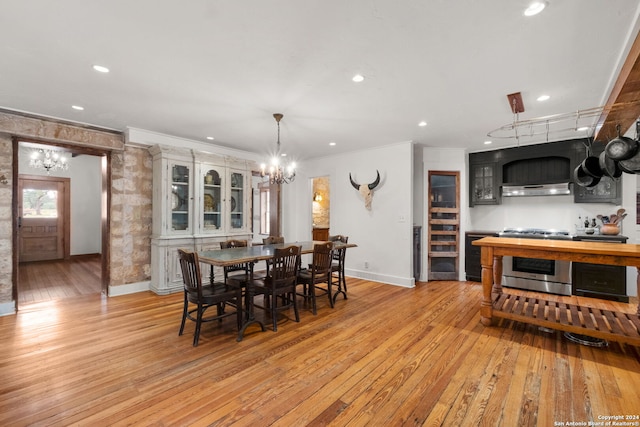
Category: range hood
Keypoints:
(536, 190)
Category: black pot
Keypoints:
(621, 147)
(584, 179)
(609, 166)
(591, 166)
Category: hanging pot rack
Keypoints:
(580, 123)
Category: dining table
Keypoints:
(251, 255)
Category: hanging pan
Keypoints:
(584, 179)
(621, 147)
(632, 165)
(609, 166)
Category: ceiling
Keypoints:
(203, 68)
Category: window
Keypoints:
(264, 209)
(39, 203)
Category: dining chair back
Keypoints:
(337, 266)
(205, 296)
(271, 240)
(319, 272)
(237, 274)
(281, 282)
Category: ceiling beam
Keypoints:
(623, 106)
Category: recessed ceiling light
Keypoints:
(543, 98)
(101, 69)
(583, 128)
(535, 8)
(77, 107)
(210, 138)
(487, 142)
(283, 155)
(332, 143)
(422, 123)
(358, 78)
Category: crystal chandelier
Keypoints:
(49, 160)
(278, 173)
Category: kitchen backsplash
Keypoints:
(556, 212)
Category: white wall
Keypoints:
(86, 186)
(383, 234)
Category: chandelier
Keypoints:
(278, 173)
(49, 160)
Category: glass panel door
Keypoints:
(236, 200)
(212, 201)
(444, 225)
(180, 197)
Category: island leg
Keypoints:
(638, 291)
(486, 307)
(497, 274)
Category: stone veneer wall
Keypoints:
(6, 265)
(130, 237)
(130, 215)
(320, 209)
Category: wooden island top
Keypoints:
(598, 323)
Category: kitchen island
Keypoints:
(597, 323)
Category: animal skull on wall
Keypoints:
(366, 189)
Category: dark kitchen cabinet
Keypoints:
(472, 267)
(484, 184)
(598, 280)
(608, 190)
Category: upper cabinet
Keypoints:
(537, 164)
(484, 184)
(200, 194)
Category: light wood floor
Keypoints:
(49, 280)
(387, 356)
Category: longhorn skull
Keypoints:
(366, 190)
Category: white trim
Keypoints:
(129, 288)
(405, 282)
(7, 308)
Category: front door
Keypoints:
(43, 209)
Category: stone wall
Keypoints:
(130, 231)
(6, 230)
(129, 255)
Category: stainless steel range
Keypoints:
(541, 275)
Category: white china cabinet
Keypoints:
(199, 200)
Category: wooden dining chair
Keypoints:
(205, 296)
(281, 282)
(337, 266)
(237, 274)
(271, 240)
(319, 272)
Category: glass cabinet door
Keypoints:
(237, 206)
(180, 197)
(212, 200)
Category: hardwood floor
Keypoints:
(387, 356)
(48, 280)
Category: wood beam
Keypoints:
(623, 106)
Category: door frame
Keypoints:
(66, 221)
(106, 155)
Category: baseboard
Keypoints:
(405, 282)
(129, 288)
(7, 308)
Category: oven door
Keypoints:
(543, 275)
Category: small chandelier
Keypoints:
(277, 172)
(49, 160)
